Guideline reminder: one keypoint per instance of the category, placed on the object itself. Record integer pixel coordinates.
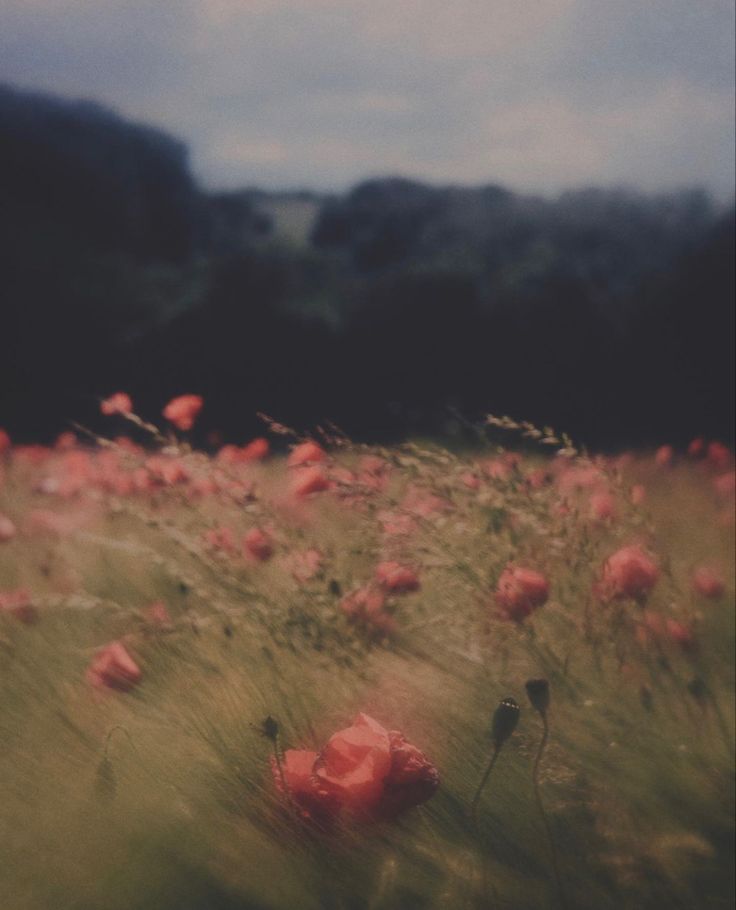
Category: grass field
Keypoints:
(382, 581)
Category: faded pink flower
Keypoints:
(708, 582)
(255, 450)
(310, 796)
(681, 634)
(18, 604)
(308, 452)
(397, 578)
(696, 447)
(664, 456)
(222, 539)
(258, 544)
(395, 524)
(183, 411)
(637, 494)
(305, 565)
(7, 529)
(602, 507)
(718, 455)
(114, 668)
(629, 573)
(119, 403)
(309, 480)
(158, 614)
(520, 591)
(725, 484)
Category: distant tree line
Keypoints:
(607, 313)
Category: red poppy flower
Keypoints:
(538, 478)
(221, 539)
(7, 529)
(602, 507)
(256, 450)
(520, 591)
(365, 607)
(310, 796)
(374, 464)
(651, 629)
(119, 403)
(18, 604)
(183, 411)
(663, 456)
(574, 478)
(696, 447)
(681, 634)
(307, 452)
(258, 544)
(725, 484)
(707, 582)
(65, 441)
(637, 494)
(392, 576)
(497, 469)
(305, 565)
(373, 772)
(719, 456)
(470, 480)
(394, 524)
(167, 471)
(629, 572)
(412, 780)
(355, 762)
(114, 668)
(228, 454)
(157, 614)
(309, 480)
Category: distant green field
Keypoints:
(293, 217)
(163, 796)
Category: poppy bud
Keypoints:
(505, 719)
(538, 692)
(270, 728)
(334, 587)
(698, 689)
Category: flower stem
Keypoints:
(474, 816)
(540, 804)
(481, 785)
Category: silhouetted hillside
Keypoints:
(604, 312)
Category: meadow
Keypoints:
(270, 676)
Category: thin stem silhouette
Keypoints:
(540, 804)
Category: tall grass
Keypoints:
(163, 797)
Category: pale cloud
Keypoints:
(232, 149)
(540, 94)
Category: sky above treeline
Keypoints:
(539, 95)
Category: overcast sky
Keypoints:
(536, 94)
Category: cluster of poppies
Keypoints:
(364, 771)
(181, 411)
(366, 606)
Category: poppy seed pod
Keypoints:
(538, 692)
(505, 719)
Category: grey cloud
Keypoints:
(541, 94)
